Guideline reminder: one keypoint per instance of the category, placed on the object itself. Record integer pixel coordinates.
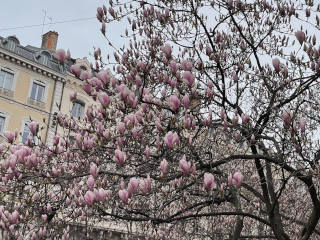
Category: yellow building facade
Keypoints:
(30, 82)
(35, 87)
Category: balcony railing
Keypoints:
(36, 103)
(6, 92)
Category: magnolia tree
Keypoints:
(207, 128)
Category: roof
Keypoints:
(41, 56)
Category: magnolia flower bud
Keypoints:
(276, 64)
(300, 36)
(60, 55)
(208, 181)
(184, 165)
(174, 102)
(34, 127)
(163, 167)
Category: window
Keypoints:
(37, 92)
(26, 133)
(77, 109)
(2, 122)
(83, 68)
(6, 79)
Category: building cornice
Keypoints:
(38, 68)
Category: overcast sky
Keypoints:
(79, 36)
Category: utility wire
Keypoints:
(45, 24)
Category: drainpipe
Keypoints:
(63, 85)
(50, 113)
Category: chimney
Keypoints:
(50, 40)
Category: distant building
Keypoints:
(34, 86)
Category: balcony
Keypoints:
(36, 103)
(6, 92)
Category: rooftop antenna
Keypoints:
(50, 18)
(44, 20)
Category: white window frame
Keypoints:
(6, 117)
(23, 123)
(15, 73)
(15, 76)
(80, 102)
(43, 83)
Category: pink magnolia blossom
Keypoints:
(90, 182)
(167, 50)
(163, 167)
(101, 195)
(104, 77)
(303, 124)
(120, 157)
(286, 116)
(236, 179)
(124, 91)
(124, 196)
(89, 197)
(56, 140)
(189, 78)
(186, 65)
(84, 75)
(147, 152)
(158, 124)
(34, 127)
(94, 171)
(174, 66)
(10, 136)
(14, 217)
(300, 36)
(121, 127)
(73, 96)
(133, 186)
(35, 197)
(174, 102)
(44, 217)
(76, 70)
(185, 166)
(145, 184)
(60, 55)
(186, 101)
(171, 139)
(208, 181)
(245, 118)
(276, 64)
(87, 88)
(104, 99)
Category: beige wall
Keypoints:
(17, 114)
(16, 108)
(74, 85)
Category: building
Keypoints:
(34, 87)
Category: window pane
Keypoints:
(8, 81)
(80, 110)
(73, 112)
(40, 93)
(77, 109)
(33, 91)
(37, 92)
(26, 133)
(2, 75)
(2, 120)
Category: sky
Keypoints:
(78, 36)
